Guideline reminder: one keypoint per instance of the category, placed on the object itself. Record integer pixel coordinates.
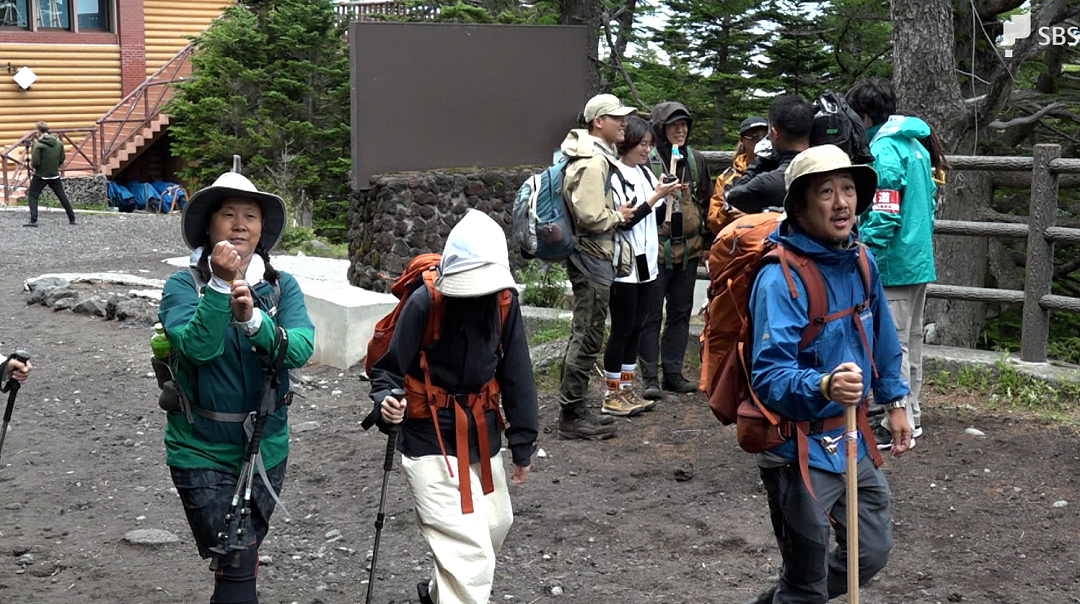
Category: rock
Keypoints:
(54, 294)
(19, 550)
(304, 427)
(556, 591)
(1061, 503)
(26, 558)
(335, 393)
(544, 356)
(150, 537)
(684, 473)
(955, 597)
(266, 560)
(45, 283)
(63, 304)
(135, 311)
(333, 534)
(93, 306)
(14, 506)
(319, 245)
(974, 432)
(542, 454)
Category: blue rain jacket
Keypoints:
(787, 380)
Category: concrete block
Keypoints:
(344, 318)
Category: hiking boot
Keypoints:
(652, 389)
(32, 223)
(578, 422)
(72, 222)
(616, 404)
(423, 593)
(765, 597)
(629, 394)
(678, 383)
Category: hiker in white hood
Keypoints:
(458, 347)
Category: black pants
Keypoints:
(676, 285)
(37, 185)
(812, 574)
(629, 307)
(207, 495)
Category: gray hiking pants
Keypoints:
(811, 573)
(906, 305)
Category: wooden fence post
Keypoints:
(1040, 254)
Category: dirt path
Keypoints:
(606, 522)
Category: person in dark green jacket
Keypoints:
(899, 228)
(221, 316)
(46, 158)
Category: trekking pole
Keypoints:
(12, 388)
(851, 450)
(388, 465)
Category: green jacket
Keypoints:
(47, 157)
(220, 371)
(900, 231)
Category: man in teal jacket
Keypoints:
(899, 228)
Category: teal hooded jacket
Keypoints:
(899, 228)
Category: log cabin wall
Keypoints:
(83, 74)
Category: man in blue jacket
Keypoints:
(899, 228)
(825, 194)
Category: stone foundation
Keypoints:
(408, 213)
(81, 191)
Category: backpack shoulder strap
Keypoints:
(504, 307)
(434, 322)
(692, 162)
(817, 299)
(655, 164)
(864, 271)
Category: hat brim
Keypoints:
(194, 218)
(679, 114)
(865, 187)
(750, 127)
(476, 282)
(621, 111)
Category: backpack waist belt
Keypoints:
(235, 418)
(424, 399)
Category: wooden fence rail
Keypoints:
(1046, 167)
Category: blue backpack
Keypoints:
(543, 225)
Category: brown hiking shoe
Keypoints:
(578, 422)
(631, 397)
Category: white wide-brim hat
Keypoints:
(232, 185)
(475, 261)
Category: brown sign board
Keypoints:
(444, 95)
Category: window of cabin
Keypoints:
(13, 13)
(71, 15)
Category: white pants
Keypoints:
(464, 545)
(906, 305)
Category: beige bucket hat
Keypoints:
(232, 184)
(821, 160)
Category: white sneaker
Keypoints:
(917, 432)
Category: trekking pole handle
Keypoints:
(391, 441)
(13, 386)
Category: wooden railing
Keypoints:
(375, 10)
(88, 149)
(142, 105)
(1046, 168)
(81, 145)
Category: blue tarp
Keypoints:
(144, 193)
(120, 197)
(172, 196)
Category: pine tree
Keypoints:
(271, 83)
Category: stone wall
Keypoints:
(82, 190)
(408, 213)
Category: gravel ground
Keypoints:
(990, 519)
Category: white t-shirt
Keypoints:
(639, 187)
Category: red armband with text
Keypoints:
(887, 202)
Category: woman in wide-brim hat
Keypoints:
(481, 354)
(221, 315)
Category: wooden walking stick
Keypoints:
(851, 452)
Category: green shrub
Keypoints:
(544, 284)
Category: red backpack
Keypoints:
(422, 398)
(736, 256)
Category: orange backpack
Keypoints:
(422, 398)
(739, 251)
